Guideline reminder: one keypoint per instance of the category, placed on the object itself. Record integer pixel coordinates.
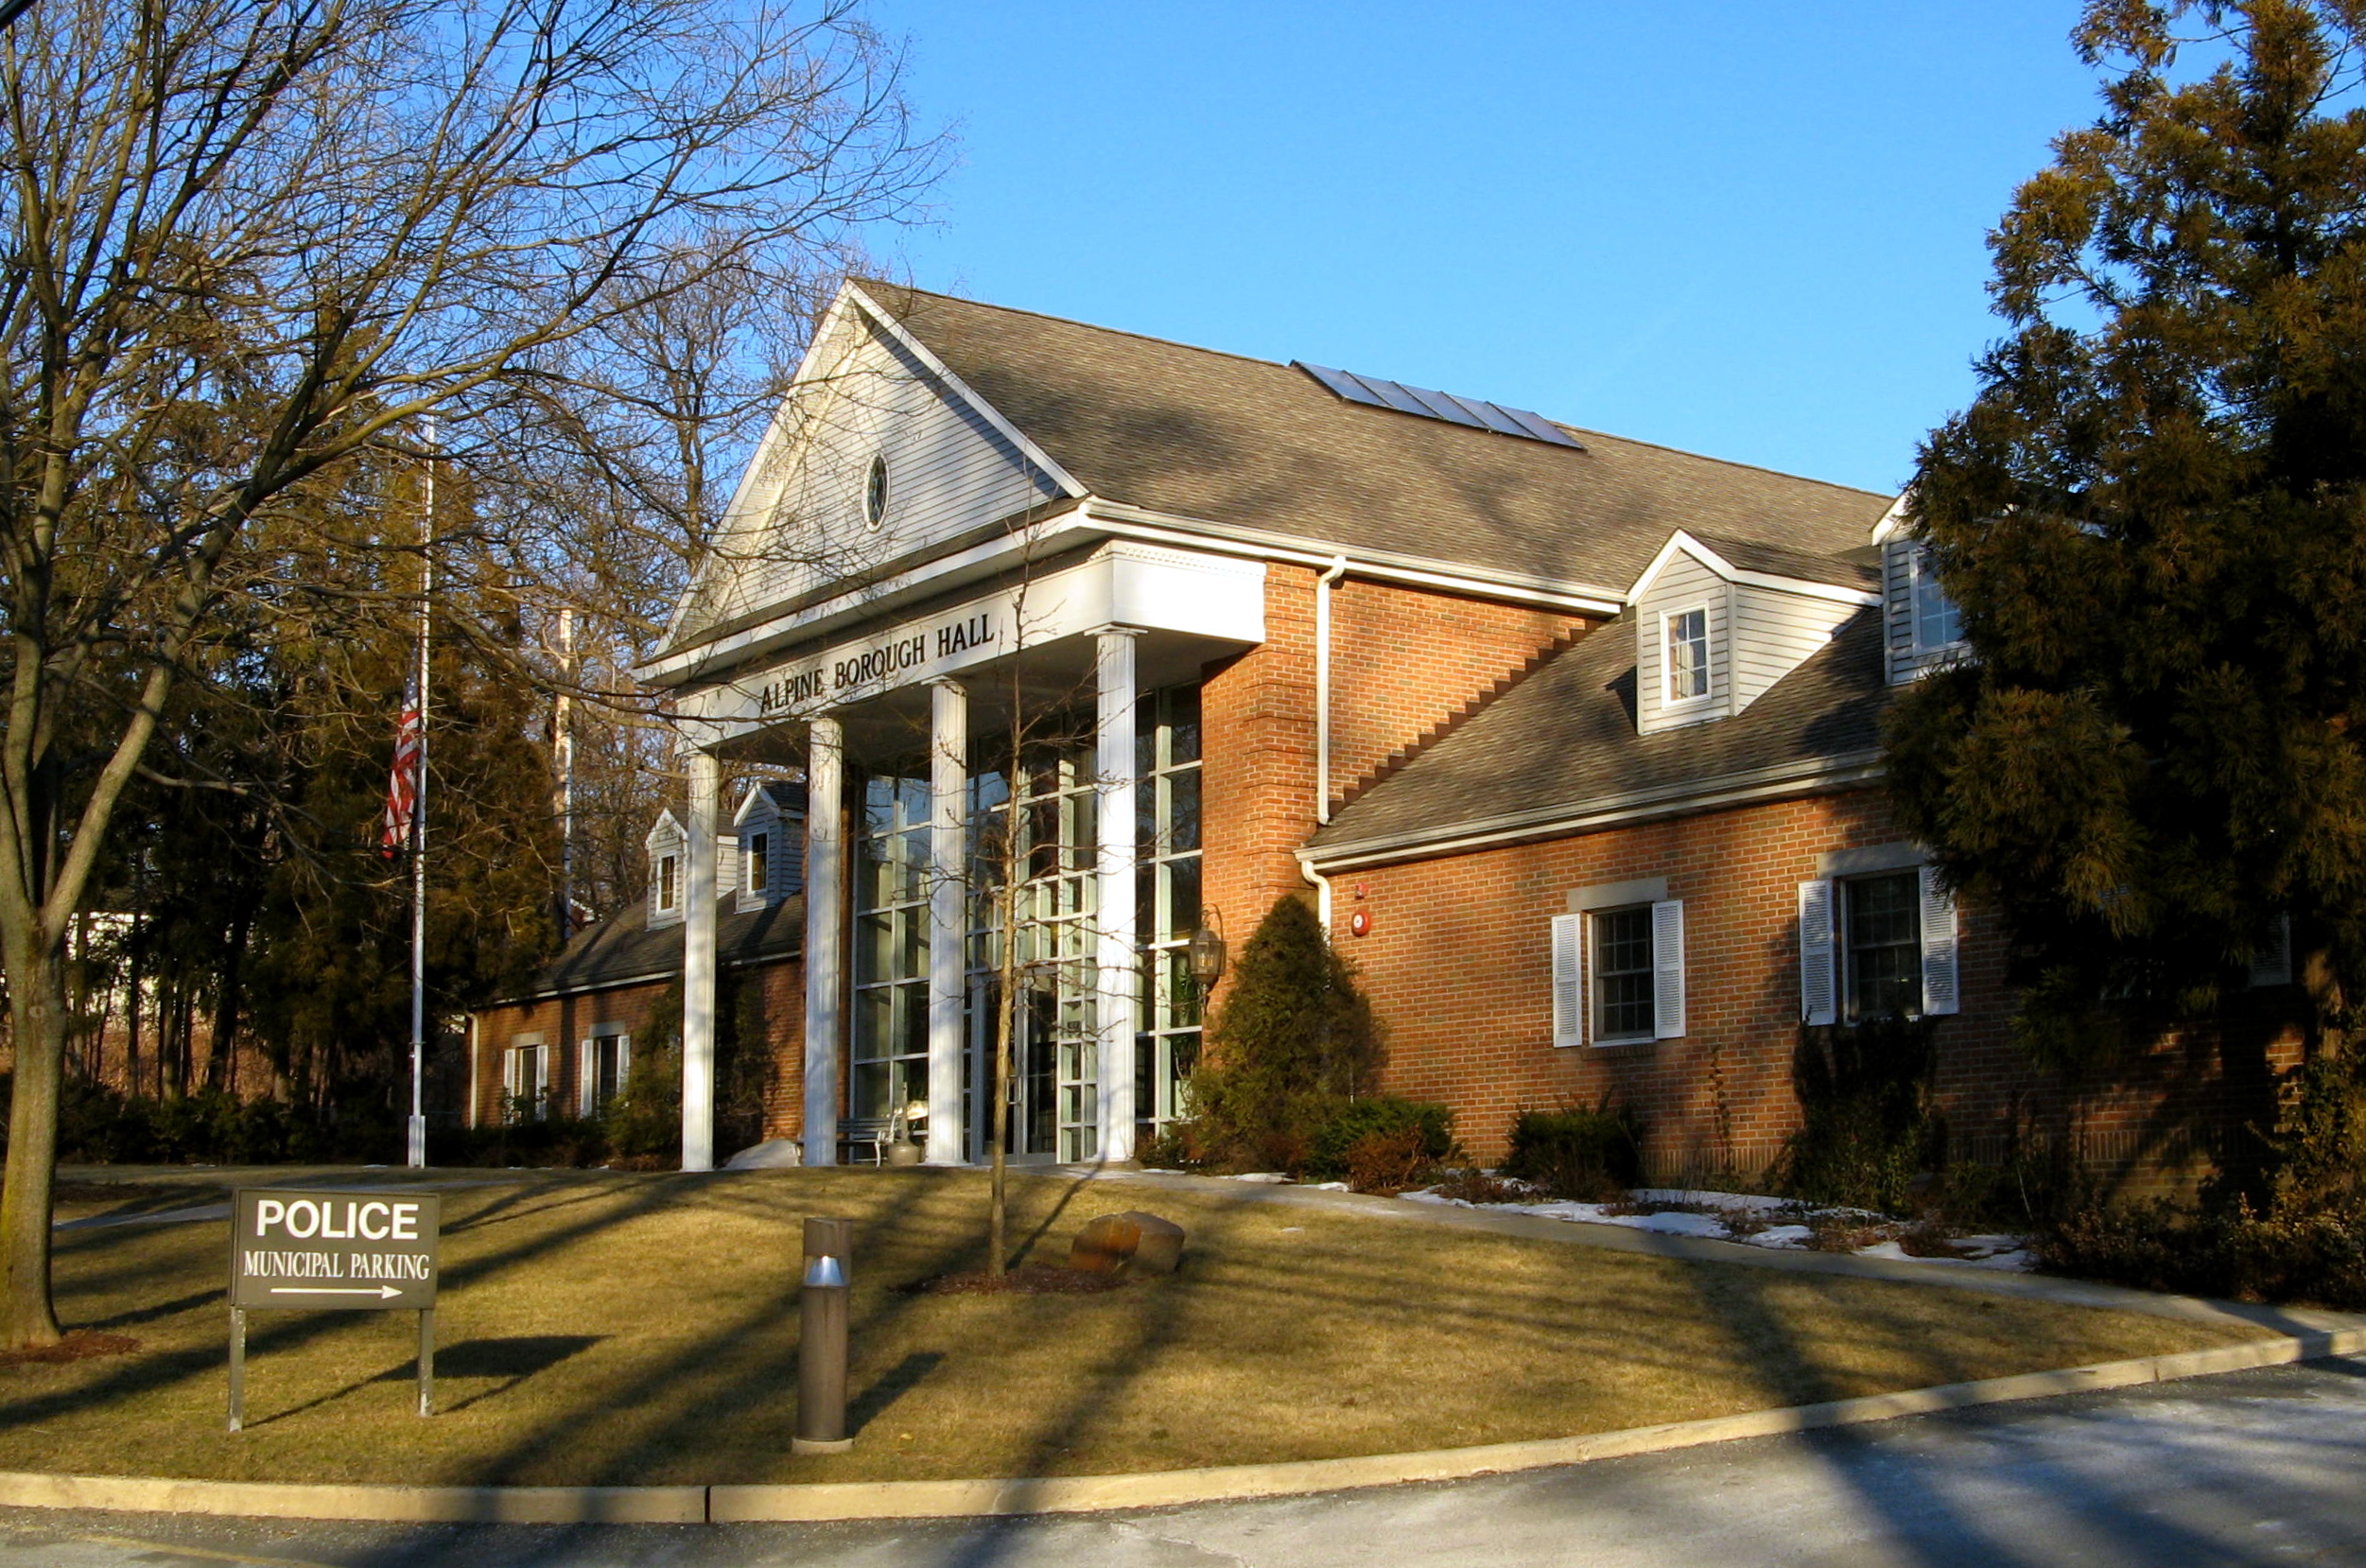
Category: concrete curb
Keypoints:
(817, 1502)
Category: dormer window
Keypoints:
(1938, 624)
(1687, 640)
(668, 883)
(758, 858)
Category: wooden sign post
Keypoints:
(371, 1251)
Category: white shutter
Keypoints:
(624, 1060)
(1817, 999)
(1939, 994)
(1568, 980)
(587, 1076)
(2271, 964)
(1667, 966)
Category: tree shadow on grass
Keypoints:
(891, 1386)
(512, 1360)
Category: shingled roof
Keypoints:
(623, 948)
(1562, 745)
(1254, 444)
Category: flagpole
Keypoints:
(418, 829)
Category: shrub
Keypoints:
(1389, 1162)
(1295, 1043)
(1428, 1127)
(1866, 1127)
(1577, 1153)
(2318, 1257)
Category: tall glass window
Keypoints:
(891, 946)
(1034, 843)
(1167, 895)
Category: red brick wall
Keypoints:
(770, 1007)
(1458, 965)
(1403, 661)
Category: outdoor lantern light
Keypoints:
(1207, 949)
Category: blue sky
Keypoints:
(1746, 229)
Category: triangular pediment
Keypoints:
(878, 451)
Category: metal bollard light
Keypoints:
(822, 1338)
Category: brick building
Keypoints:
(1574, 740)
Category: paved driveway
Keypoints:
(2265, 1467)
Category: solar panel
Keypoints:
(1422, 403)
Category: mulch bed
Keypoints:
(77, 1345)
(1026, 1279)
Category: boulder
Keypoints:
(1131, 1243)
(774, 1154)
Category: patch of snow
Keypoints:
(1269, 1178)
(1738, 1203)
(774, 1154)
(1327, 1187)
(1782, 1236)
(1888, 1249)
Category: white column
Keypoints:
(1114, 769)
(948, 778)
(824, 926)
(698, 967)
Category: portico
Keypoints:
(1003, 795)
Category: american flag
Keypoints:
(402, 789)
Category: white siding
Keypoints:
(1774, 633)
(801, 523)
(1684, 585)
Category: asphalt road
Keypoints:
(2265, 1467)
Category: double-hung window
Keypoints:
(529, 1080)
(1938, 624)
(1618, 971)
(759, 856)
(1687, 661)
(603, 1063)
(1877, 943)
(668, 883)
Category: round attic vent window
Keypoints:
(875, 494)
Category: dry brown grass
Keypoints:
(638, 1329)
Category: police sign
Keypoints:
(331, 1249)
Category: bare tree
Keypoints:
(247, 242)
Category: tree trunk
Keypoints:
(37, 1017)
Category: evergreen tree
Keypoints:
(1295, 1041)
(2153, 519)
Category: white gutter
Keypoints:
(1757, 786)
(1337, 570)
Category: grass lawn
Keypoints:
(624, 1328)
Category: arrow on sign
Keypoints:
(381, 1292)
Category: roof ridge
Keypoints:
(1726, 462)
(1284, 364)
(1070, 321)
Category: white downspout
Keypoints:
(1337, 570)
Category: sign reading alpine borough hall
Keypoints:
(372, 1249)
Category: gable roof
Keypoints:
(623, 948)
(1561, 747)
(784, 798)
(1255, 443)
